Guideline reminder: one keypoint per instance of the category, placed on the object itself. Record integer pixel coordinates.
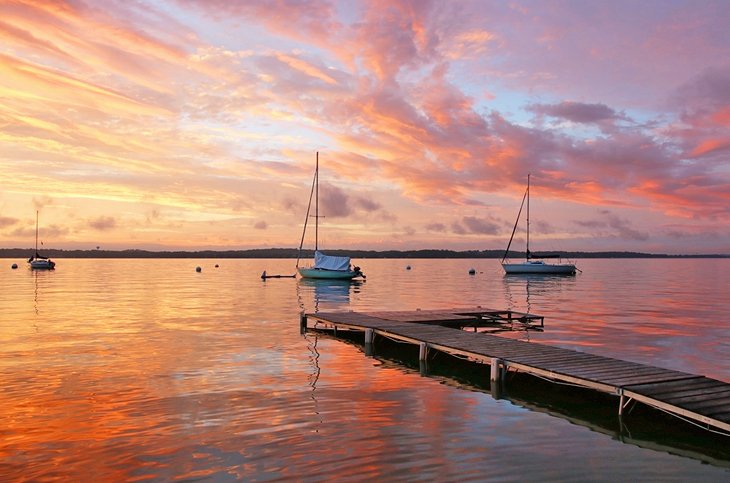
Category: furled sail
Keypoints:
(326, 262)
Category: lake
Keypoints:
(146, 370)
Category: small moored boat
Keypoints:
(325, 266)
(37, 261)
(531, 266)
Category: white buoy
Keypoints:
(14, 266)
(198, 269)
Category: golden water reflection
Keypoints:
(128, 370)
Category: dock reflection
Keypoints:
(645, 428)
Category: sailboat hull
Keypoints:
(42, 265)
(322, 274)
(538, 267)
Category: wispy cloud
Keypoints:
(216, 108)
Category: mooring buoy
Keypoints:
(198, 269)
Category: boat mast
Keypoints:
(36, 232)
(316, 205)
(514, 228)
(527, 254)
(309, 207)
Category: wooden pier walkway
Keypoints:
(696, 398)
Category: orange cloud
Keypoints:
(710, 146)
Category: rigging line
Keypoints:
(309, 207)
(515, 227)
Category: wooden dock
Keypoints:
(701, 400)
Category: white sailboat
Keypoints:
(38, 262)
(532, 264)
(325, 266)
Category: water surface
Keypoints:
(146, 370)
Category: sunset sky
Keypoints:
(191, 125)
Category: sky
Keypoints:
(195, 125)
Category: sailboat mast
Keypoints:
(309, 208)
(36, 232)
(527, 255)
(316, 205)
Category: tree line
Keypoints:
(292, 253)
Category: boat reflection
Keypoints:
(40, 280)
(535, 287)
(319, 295)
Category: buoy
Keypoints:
(472, 271)
(216, 265)
(198, 269)
(408, 267)
(15, 265)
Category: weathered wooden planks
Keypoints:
(687, 395)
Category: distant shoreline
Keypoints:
(288, 253)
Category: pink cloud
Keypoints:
(608, 224)
(129, 102)
(103, 223)
(6, 221)
(311, 21)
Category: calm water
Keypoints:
(119, 370)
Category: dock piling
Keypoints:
(423, 352)
(496, 372)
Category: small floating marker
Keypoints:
(408, 267)
(216, 265)
(198, 269)
(472, 271)
(14, 266)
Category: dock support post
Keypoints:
(496, 377)
(423, 352)
(302, 323)
(496, 372)
(621, 403)
(369, 336)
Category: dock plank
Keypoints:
(686, 395)
(698, 383)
